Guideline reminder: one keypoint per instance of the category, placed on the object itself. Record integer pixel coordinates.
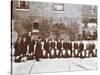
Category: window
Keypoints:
(20, 4)
(92, 8)
(36, 25)
(58, 7)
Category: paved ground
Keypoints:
(54, 65)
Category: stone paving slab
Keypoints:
(54, 65)
(22, 68)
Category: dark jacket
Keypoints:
(81, 46)
(31, 46)
(70, 46)
(75, 45)
(65, 45)
(17, 47)
(24, 47)
(52, 45)
(28, 38)
(59, 45)
(38, 51)
(46, 46)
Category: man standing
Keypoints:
(31, 46)
(38, 50)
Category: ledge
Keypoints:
(59, 12)
(23, 9)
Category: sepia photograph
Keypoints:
(48, 37)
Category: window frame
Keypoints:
(60, 8)
(19, 7)
(92, 8)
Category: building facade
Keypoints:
(35, 15)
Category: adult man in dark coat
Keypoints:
(28, 39)
(31, 46)
(38, 50)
